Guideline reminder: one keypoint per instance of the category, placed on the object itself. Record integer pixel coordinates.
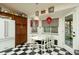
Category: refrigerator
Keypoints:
(7, 34)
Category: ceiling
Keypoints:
(30, 8)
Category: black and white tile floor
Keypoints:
(24, 50)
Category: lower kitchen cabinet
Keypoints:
(7, 44)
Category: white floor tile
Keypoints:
(58, 48)
(14, 49)
(51, 49)
(20, 52)
(28, 51)
(22, 48)
(10, 53)
(30, 48)
(54, 53)
(62, 52)
(2, 53)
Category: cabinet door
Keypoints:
(24, 29)
(2, 28)
(2, 46)
(11, 28)
(24, 21)
(18, 39)
(23, 38)
(7, 44)
(10, 43)
(19, 29)
(18, 20)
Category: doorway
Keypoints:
(68, 30)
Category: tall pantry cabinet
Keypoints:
(21, 30)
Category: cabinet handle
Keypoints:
(73, 35)
(6, 29)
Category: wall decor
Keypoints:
(43, 11)
(37, 13)
(51, 9)
(49, 20)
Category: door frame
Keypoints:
(71, 50)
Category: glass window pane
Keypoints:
(53, 27)
(46, 29)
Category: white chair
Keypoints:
(31, 44)
(48, 43)
(38, 44)
(44, 45)
(41, 45)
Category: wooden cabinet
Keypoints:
(20, 28)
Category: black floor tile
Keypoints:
(56, 50)
(17, 50)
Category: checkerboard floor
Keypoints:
(25, 50)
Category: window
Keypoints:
(53, 27)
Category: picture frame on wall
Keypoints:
(37, 13)
(51, 9)
(43, 11)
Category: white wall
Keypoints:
(76, 28)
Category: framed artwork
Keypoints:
(37, 13)
(51, 9)
(43, 11)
